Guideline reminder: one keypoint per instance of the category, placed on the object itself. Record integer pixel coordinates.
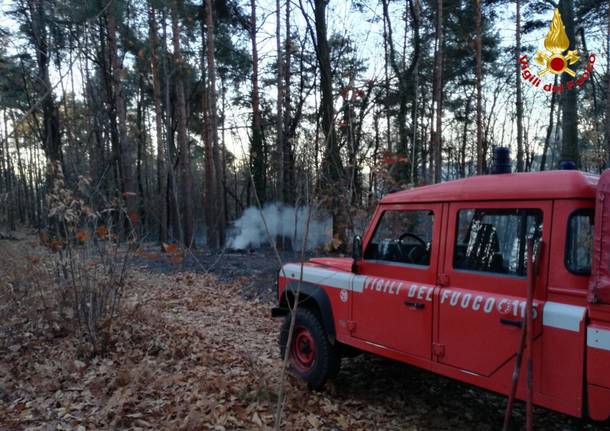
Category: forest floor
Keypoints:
(198, 350)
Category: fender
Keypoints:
(315, 293)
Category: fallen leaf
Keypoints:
(314, 420)
(175, 260)
(257, 419)
(82, 235)
(169, 248)
(102, 231)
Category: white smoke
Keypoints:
(282, 221)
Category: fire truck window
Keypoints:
(402, 237)
(495, 240)
(579, 245)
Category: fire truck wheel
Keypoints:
(312, 357)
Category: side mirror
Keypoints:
(357, 248)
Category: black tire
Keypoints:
(312, 356)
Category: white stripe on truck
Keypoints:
(555, 314)
(598, 338)
(563, 316)
(325, 277)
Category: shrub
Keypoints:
(91, 250)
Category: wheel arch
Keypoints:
(313, 297)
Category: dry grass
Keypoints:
(29, 297)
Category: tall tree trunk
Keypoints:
(209, 175)
(107, 118)
(225, 189)
(4, 190)
(186, 174)
(332, 167)
(32, 185)
(407, 86)
(549, 131)
(215, 223)
(257, 150)
(279, 121)
(153, 38)
(415, 8)
(141, 153)
(172, 201)
(437, 98)
(608, 91)
(372, 174)
(386, 70)
(50, 130)
(479, 79)
(95, 128)
(289, 121)
(569, 147)
(462, 152)
(352, 149)
(125, 150)
(10, 178)
(403, 93)
(23, 202)
(596, 121)
(519, 106)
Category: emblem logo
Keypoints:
(504, 307)
(556, 43)
(343, 295)
(556, 59)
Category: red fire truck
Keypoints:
(439, 280)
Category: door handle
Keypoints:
(509, 322)
(416, 305)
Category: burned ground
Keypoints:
(197, 350)
(255, 269)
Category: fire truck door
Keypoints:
(399, 267)
(482, 304)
